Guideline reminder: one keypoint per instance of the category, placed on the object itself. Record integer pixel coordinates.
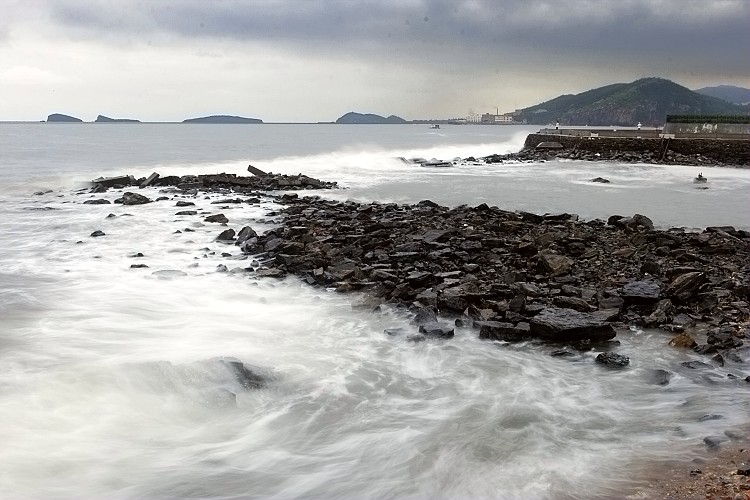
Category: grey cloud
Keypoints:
(683, 32)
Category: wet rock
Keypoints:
(641, 292)
(101, 201)
(601, 180)
(723, 338)
(498, 330)
(138, 266)
(395, 332)
(245, 234)
(226, 235)
(556, 265)
(150, 180)
(134, 199)
(565, 325)
(218, 218)
(247, 378)
(562, 353)
(683, 340)
(119, 180)
(272, 272)
(612, 359)
(659, 377)
(184, 204)
(187, 212)
(685, 286)
(425, 316)
(695, 365)
(713, 442)
(97, 233)
(436, 330)
(572, 303)
(664, 309)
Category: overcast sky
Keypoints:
(297, 60)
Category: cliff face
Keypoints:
(648, 101)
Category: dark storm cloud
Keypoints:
(688, 35)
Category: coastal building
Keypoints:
(497, 119)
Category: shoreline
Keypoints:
(432, 261)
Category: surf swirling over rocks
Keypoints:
(513, 276)
(519, 275)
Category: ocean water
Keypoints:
(114, 381)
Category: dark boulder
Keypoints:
(554, 264)
(425, 316)
(659, 377)
(685, 286)
(226, 235)
(723, 338)
(97, 233)
(572, 303)
(498, 330)
(134, 199)
(187, 212)
(150, 180)
(119, 180)
(219, 218)
(566, 325)
(245, 234)
(436, 330)
(641, 292)
(101, 201)
(612, 359)
(184, 204)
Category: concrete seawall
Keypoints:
(719, 151)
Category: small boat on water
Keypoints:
(700, 178)
(435, 126)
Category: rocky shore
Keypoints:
(514, 276)
(510, 276)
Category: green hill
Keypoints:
(647, 100)
(359, 118)
(730, 93)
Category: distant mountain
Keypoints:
(647, 100)
(60, 118)
(729, 93)
(107, 119)
(359, 118)
(222, 119)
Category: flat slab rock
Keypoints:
(559, 324)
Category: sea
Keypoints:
(117, 382)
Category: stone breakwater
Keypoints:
(512, 276)
(699, 152)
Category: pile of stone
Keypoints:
(516, 276)
(258, 181)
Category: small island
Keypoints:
(222, 119)
(107, 119)
(369, 118)
(60, 118)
